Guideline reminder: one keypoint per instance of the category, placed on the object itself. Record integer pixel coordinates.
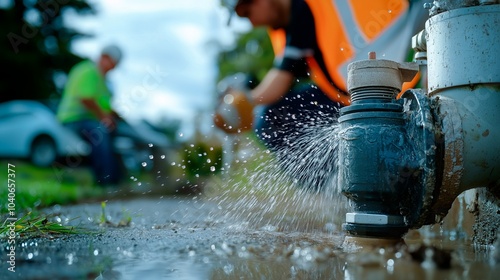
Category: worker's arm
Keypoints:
(105, 118)
(273, 87)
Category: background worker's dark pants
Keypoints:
(105, 165)
(291, 129)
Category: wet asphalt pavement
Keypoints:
(191, 238)
(167, 238)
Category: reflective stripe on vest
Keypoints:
(347, 30)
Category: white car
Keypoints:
(30, 130)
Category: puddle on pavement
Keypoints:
(197, 240)
(279, 255)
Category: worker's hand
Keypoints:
(234, 113)
(109, 122)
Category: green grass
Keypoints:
(31, 225)
(104, 221)
(37, 187)
(26, 189)
(29, 188)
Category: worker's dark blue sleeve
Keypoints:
(300, 40)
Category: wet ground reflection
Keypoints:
(184, 239)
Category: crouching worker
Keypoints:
(86, 109)
(313, 42)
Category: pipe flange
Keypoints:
(425, 138)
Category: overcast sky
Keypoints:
(170, 49)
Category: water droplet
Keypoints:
(162, 156)
(96, 252)
(212, 168)
(144, 164)
(70, 258)
(150, 145)
(390, 266)
(228, 269)
(228, 99)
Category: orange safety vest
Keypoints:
(346, 30)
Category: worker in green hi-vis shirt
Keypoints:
(86, 109)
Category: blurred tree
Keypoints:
(35, 46)
(252, 55)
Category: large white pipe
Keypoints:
(464, 78)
